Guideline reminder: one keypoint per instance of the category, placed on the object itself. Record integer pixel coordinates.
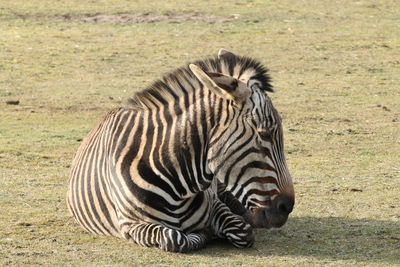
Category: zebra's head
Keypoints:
(246, 151)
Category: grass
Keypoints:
(335, 67)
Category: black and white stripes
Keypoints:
(152, 172)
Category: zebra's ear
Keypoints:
(224, 86)
(222, 53)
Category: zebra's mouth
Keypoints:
(268, 218)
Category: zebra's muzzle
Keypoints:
(275, 215)
(268, 218)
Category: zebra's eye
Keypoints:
(265, 135)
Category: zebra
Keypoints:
(197, 155)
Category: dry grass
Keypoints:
(336, 69)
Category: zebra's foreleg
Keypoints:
(233, 227)
(155, 235)
(233, 203)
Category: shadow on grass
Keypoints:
(332, 238)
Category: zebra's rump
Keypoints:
(89, 198)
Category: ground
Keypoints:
(335, 67)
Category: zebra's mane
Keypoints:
(182, 81)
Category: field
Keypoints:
(336, 72)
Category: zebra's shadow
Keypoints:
(335, 238)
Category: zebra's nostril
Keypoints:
(285, 205)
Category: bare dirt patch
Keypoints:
(147, 18)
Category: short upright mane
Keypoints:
(182, 80)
